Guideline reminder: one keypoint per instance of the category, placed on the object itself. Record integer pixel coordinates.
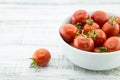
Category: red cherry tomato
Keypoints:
(82, 43)
(90, 25)
(100, 17)
(111, 28)
(68, 32)
(79, 16)
(40, 58)
(112, 44)
(100, 38)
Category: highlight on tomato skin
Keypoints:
(68, 32)
(79, 16)
(40, 58)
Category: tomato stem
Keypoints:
(79, 27)
(112, 20)
(94, 34)
(103, 49)
(89, 21)
(77, 33)
(86, 36)
(34, 64)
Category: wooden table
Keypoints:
(27, 25)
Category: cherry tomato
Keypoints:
(68, 32)
(40, 58)
(99, 38)
(79, 16)
(82, 43)
(90, 25)
(111, 28)
(100, 17)
(112, 44)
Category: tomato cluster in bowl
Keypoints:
(98, 32)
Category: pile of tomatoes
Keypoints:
(98, 32)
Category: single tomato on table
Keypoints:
(79, 16)
(40, 58)
(68, 32)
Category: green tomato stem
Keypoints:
(103, 49)
(112, 20)
(89, 21)
(34, 64)
(94, 34)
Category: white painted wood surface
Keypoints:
(27, 25)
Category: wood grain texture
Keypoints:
(27, 25)
(57, 2)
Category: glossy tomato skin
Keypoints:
(111, 29)
(82, 43)
(101, 38)
(68, 32)
(112, 44)
(89, 28)
(100, 17)
(79, 16)
(42, 57)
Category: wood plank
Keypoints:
(56, 2)
(16, 12)
(58, 68)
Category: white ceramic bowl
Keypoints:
(89, 60)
